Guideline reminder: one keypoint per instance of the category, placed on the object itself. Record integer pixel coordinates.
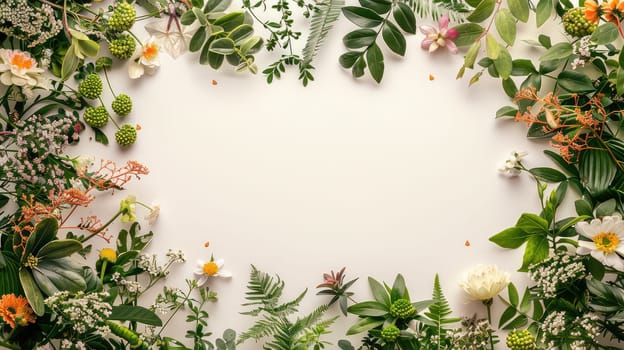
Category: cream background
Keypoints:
(298, 181)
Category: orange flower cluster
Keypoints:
(15, 311)
(109, 176)
(573, 126)
(611, 10)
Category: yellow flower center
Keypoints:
(150, 51)
(210, 268)
(607, 241)
(22, 61)
(108, 254)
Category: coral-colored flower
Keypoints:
(15, 310)
(18, 68)
(442, 37)
(591, 11)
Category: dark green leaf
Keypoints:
(198, 39)
(506, 111)
(359, 38)
(347, 59)
(44, 232)
(134, 313)
(9, 275)
(548, 174)
(512, 291)
(362, 17)
(583, 207)
(509, 87)
(569, 168)
(536, 250)
(597, 170)
(59, 249)
(517, 323)
(187, 18)
(509, 312)
(394, 38)
(217, 6)
(223, 46)
(375, 60)
(379, 6)
(522, 67)
(575, 82)
(358, 67)
(32, 292)
(404, 17)
(241, 32)
(100, 136)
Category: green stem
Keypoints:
(488, 305)
(102, 228)
(104, 263)
(9, 345)
(180, 305)
(109, 84)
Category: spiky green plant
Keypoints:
(264, 293)
(326, 14)
(438, 314)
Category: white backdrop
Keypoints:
(299, 181)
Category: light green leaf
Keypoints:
(70, 63)
(503, 63)
(379, 292)
(510, 88)
(506, 111)
(557, 51)
(359, 38)
(364, 325)
(619, 83)
(606, 208)
(506, 26)
(543, 11)
(468, 33)
(89, 48)
(519, 9)
(362, 17)
(369, 308)
(482, 12)
(471, 55)
(223, 46)
(375, 60)
(135, 313)
(394, 39)
(605, 34)
(491, 46)
(251, 45)
(399, 289)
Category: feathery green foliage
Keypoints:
(439, 310)
(326, 14)
(456, 9)
(264, 292)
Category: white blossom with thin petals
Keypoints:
(202, 275)
(606, 242)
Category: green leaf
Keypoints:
(347, 59)
(379, 6)
(217, 6)
(88, 47)
(9, 274)
(543, 11)
(482, 12)
(223, 46)
(379, 292)
(503, 63)
(605, 34)
(517, 323)
(241, 32)
(359, 38)
(575, 82)
(509, 312)
(512, 291)
(405, 18)
(506, 26)
(358, 67)
(375, 60)
(53, 275)
(471, 55)
(135, 313)
(201, 17)
(187, 18)
(583, 207)
(506, 111)
(548, 174)
(198, 39)
(250, 45)
(468, 33)
(536, 250)
(345, 345)
(597, 170)
(44, 232)
(59, 249)
(70, 63)
(519, 9)
(491, 46)
(364, 325)
(362, 17)
(32, 292)
(510, 238)
(533, 224)
(522, 67)
(557, 51)
(394, 38)
(606, 208)
(619, 82)
(569, 168)
(509, 86)
(369, 308)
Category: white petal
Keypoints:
(224, 274)
(135, 70)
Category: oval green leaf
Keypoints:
(468, 33)
(223, 46)
(198, 39)
(394, 39)
(59, 249)
(379, 6)
(557, 51)
(362, 17)
(405, 18)
(375, 60)
(519, 9)
(506, 26)
(483, 11)
(605, 34)
(33, 294)
(359, 38)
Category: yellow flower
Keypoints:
(127, 207)
(108, 254)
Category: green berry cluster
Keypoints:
(123, 47)
(390, 333)
(402, 308)
(96, 117)
(122, 105)
(575, 23)
(91, 86)
(123, 17)
(126, 135)
(520, 340)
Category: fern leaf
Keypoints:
(321, 23)
(263, 290)
(289, 307)
(440, 309)
(456, 9)
(262, 328)
(283, 337)
(310, 319)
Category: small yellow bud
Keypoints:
(108, 254)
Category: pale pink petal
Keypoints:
(451, 46)
(428, 30)
(443, 22)
(426, 43)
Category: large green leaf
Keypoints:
(359, 38)
(510, 238)
(59, 249)
(575, 82)
(405, 18)
(482, 12)
(597, 170)
(379, 292)
(533, 224)
(394, 38)
(375, 60)
(135, 313)
(506, 26)
(32, 292)
(557, 51)
(542, 11)
(362, 17)
(9, 279)
(369, 308)
(605, 34)
(44, 232)
(399, 289)
(468, 33)
(364, 325)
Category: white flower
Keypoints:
(147, 61)
(212, 268)
(173, 39)
(512, 165)
(484, 282)
(18, 68)
(607, 240)
(82, 163)
(153, 215)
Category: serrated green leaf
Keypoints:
(375, 60)
(362, 17)
(405, 18)
(482, 12)
(506, 26)
(394, 39)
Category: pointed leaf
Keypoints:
(364, 325)
(44, 232)
(348, 59)
(575, 82)
(32, 292)
(519, 9)
(369, 308)
(543, 11)
(379, 292)
(557, 51)
(379, 6)
(394, 39)
(134, 313)
(375, 60)
(362, 17)
(223, 46)
(59, 249)
(605, 34)
(482, 12)
(510, 238)
(404, 17)
(198, 39)
(359, 38)
(506, 26)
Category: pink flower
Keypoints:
(442, 37)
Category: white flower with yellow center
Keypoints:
(147, 61)
(484, 282)
(206, 270)
(18, 68)
(606, 240)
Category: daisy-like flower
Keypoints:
(171, 36)
(612, 10)
(19, 69)
(606, 240)
(484, 282)
(206, 270)
(15, 310)
(512, 166)
(127, 207)
(442, 37)
(154, 213)
(147, 61)
(591, 11)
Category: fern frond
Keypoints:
(283, 337)
(321, 23)
(263, 290)
(440, 309)
(262, 328)
(310, 319)
(289, 307)
(456, 9)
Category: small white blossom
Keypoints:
(153, 214)
(512, 165)
(212, 268)
(172, 39)
(147, 61)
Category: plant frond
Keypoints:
(456, 9)
(260, 329)
(310, 320)
(320, 25)
(289, 307)
(440, 309)
(263, 289)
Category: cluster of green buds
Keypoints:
(575, 23)
(521, 340)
